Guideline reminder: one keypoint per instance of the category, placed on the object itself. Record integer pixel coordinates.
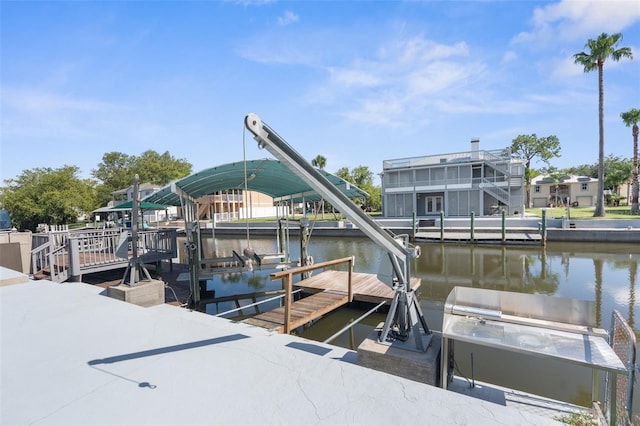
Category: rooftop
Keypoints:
(70, 355)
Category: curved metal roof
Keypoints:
(267, 176)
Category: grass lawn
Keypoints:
(623, 212)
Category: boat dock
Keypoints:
(329, 290)
(68, 255)
(485, 236)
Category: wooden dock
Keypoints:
(62, 256)
(302, 311)
(329, 292)
(366, 287)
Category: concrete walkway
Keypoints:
(72, 356)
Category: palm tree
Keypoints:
(631, 119)
(600, 49)
(320, 162)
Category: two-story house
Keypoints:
(483, 182)
(575, 190)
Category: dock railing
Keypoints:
(74, 253)
(619, 399)
(287, 277)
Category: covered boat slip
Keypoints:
(540, 326)
(267, 176)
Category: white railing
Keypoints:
(87, 251)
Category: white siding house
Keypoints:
(483, 182)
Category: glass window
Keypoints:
(536, 189)
(584, 187)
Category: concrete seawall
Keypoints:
(601, 231)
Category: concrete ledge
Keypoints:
(145, 293)
(11, 277)
(421, 367)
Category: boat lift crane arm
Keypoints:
(405, 310)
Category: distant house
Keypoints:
(235, 204)
(575, 190)
(483, 182)
(126, 194)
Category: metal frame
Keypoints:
(405, 311)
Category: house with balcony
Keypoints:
(221, 206)
(483, 182)
(574, 190)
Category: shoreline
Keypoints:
(558, 230)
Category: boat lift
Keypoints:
(405, 318)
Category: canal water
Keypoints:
(606, 274)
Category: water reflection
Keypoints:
(603, 273)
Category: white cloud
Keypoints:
(403, 80)
(509, 57)
(571, 20)
(353, 78)
(34, 101)
(288, 18)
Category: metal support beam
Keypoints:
(405, 312)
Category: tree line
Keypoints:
(60, 196)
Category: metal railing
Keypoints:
(74, 253)
(48, 259)
(623, 341)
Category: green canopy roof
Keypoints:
(266, 176)
(143, 205)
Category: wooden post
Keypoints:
(287, 303)
(504, 228)
(414, 227)
(544, 227)
(473, 220)
(441, 225)
(350, 290)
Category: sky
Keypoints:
(358, 82)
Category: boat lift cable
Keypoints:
(353, 323)
(248, 251)
(255, 304)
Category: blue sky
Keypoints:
(358, 82)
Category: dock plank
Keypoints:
(328, 292)
(302, 311)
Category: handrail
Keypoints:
(618, 400)
(96, 249)
(47, 255)
(287, 277)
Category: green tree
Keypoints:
(618, 172)
(599, 50)
(319, 162)
(531, 146)
(45, 195)
(117, 170)
(160, 168)
(590, 170)
(362, 177)
(631, 119)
